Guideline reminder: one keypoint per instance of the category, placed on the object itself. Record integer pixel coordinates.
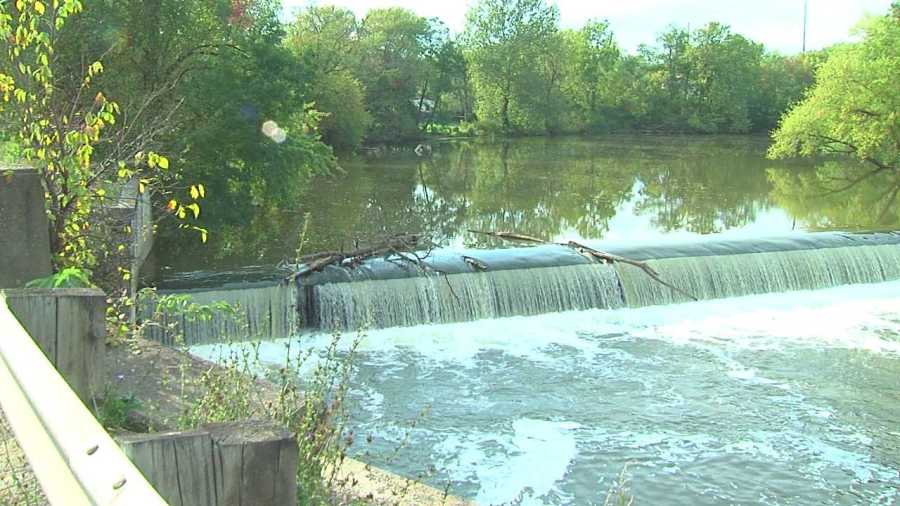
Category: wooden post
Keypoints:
(69, 325)
(235, 464)
(73, 457)
(179, 465)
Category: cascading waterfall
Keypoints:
(720, 276)
(465, 297)
(529, 281)
(260, 312)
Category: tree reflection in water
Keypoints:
(839, 196)
(565, 188)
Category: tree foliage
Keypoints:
(515, 71)
(504, 40)
(854, 107)
(71, 132)
(209, 84)
(326, 40)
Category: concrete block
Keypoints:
(24, 228)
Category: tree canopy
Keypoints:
(854, 107)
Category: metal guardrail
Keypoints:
(72, 456)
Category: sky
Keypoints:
(776, 23)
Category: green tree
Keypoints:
(228, 101)
(504, 39)
(782, 81)
(452, 87)
(71, 133)
(853, 108)
(326, 39)
(591, 83)
(705, 80)
(393, 68)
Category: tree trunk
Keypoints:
(504, 112)
(421, 101)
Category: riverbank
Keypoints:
(164, 381)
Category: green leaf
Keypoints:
(70, 277)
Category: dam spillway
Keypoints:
(381, 293)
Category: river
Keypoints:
(771, 398)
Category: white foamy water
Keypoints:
(790, 398)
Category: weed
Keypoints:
(116, 412)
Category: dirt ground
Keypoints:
(152, 373)
(18, 486)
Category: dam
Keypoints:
(446, 288)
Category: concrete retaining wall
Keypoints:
(24, 229)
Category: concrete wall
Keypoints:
(24, 229)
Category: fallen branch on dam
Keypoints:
(589, 253)
(399, 245)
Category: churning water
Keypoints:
(783, 398)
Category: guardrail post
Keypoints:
(69, 325)
(235, 464)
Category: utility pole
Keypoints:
(805, 5)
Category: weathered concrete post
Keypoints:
(248, 463)
(24, 229)
(69, 325)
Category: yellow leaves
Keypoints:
(181, 210)
(204, 234)
(95, 68)
(124, 172)
(39, 8)
(155, 160)
(142, 185)
(20, 5)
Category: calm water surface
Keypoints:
(635, 188)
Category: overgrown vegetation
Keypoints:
(305, 393)
(514, 70)
(309, 401)
(853, 108)
(66, 127)
(850, 113)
